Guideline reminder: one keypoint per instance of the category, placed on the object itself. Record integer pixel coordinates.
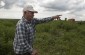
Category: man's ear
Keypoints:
(24, 12)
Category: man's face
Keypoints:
(29, 15)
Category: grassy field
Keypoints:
(52, 38)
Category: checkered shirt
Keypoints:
(24, 34)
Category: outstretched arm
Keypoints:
(38, 21)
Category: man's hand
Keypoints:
(57, 17)
(34, 52)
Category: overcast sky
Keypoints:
(68, 8)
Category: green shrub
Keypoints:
(52, 38)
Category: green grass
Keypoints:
(52, 38)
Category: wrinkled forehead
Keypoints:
(30, 12)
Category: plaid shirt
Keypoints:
(24, 35)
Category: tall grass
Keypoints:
(52, 38)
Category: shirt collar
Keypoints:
(25, 20)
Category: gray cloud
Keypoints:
(55, 5)
(75, 7)
(10, 3)
(21, 3)
(64, 5)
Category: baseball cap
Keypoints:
(29, 8)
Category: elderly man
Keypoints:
(25, 30)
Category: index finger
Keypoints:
(59, 15)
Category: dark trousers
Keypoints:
(24, 54)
